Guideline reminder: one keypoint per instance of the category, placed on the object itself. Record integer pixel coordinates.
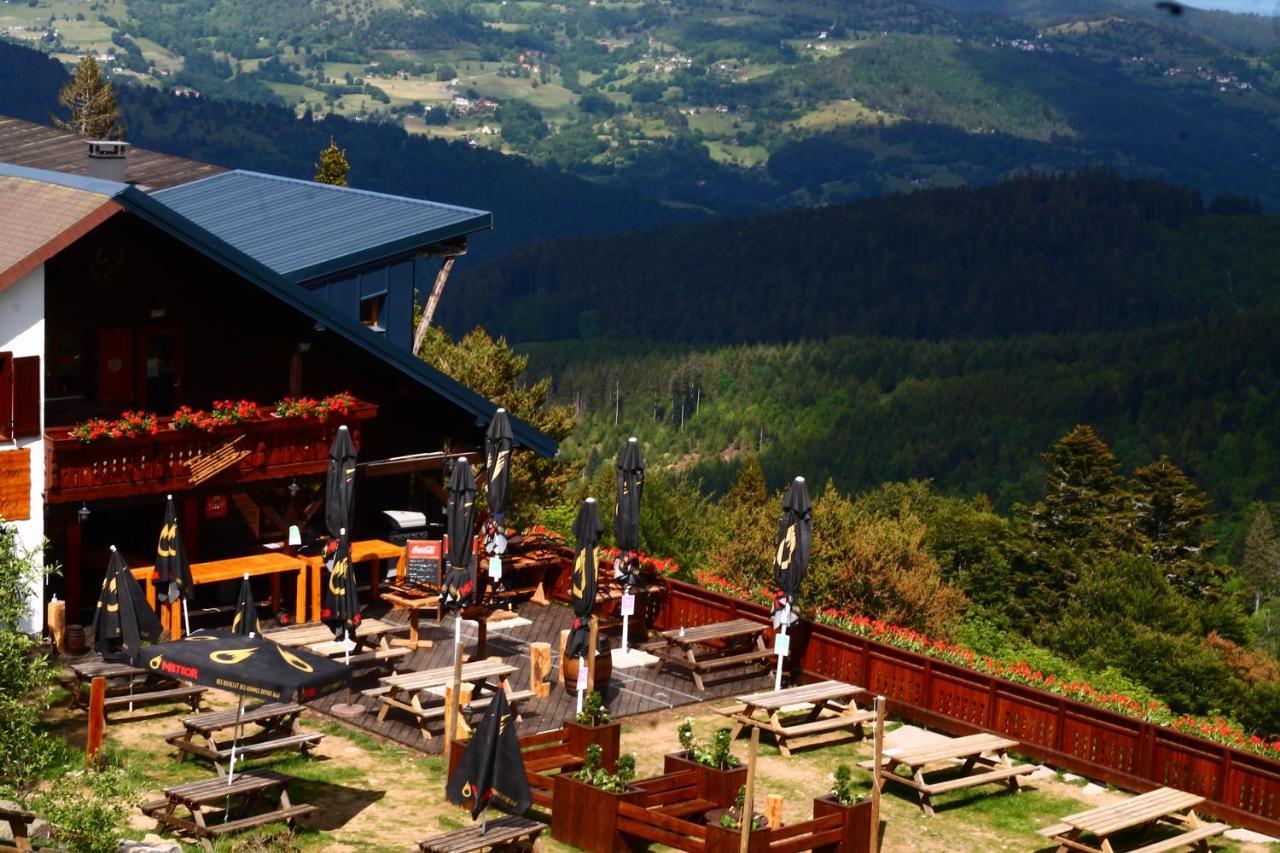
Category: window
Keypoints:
(66, 368)
(19, 396)
(371, 311)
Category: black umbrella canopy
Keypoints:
(497, 463)
(586, 532)
(341, 605)
(626, 513)
(795, 535)
(122, 617)
(491, 770)
(459, 580)
(245, 623)
(173, 570)
(339, 482)
(249, 666)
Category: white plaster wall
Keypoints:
(22, 333)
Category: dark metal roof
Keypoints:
(26, 144)
(303, 230)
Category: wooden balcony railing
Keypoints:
(175, 460)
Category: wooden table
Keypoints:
(414, 605)
(206, 798)
(128, 685)
(1163, 804)
(371, 634)
(967, 749)
(709, 647)
(20, 819)
(519, 833)
(834, 707)
(273, 563)
(372, 551)
(404, 690)
(278, 730)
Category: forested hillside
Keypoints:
(1071, 253)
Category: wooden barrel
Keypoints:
(75, 639)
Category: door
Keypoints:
(160, 363)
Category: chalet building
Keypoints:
(186, 284)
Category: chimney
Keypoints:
(107, 160)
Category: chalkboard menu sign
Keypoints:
(423, 561)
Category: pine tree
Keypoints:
(1085, 506)
(749, 490)
(92, 101)
(1261, 566)
(1170, 514)
(332, 167)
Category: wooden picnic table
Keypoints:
(128, 685)
(413, 605)
(404, 690)
(969, 750)
(278, 730)
(833, 706)
(1149, 809)
(19, 820)
(372, 635)
(207, 798)
(709, 647)
(519, 833)
(273, 563)
(371, 551)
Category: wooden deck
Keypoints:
(629, 691)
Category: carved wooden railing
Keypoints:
(277, 447)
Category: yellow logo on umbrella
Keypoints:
(111, 589)
(168, 535)
(340, 569)
(231, 655)
(500, 464)
(293, 660)
(786, 549)
(154, 663)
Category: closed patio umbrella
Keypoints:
(122, 617)
(497, 465)
(247, 666)
(586, 531)
(245, 623)
(791, 560)
(339, 482)
(626, 520)
(459, 587)
(491, 770)
(172, 575)
(340, 609)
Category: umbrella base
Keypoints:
(348, 710)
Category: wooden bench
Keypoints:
(202, 799)
(128, 686)
(19, 821)
(518, 832)
(968, 750)
(404, 690)
(1150, 809)
(190, 695)
(277, 721)
(706, 648)
(832, 704)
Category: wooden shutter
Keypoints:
(26, 397)
(6, 396)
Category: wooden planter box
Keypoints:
(717, 786)
(609, 736)
(586, 817)
(721, 840)
(857, 823)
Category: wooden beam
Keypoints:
(97, 719)
(433, 301)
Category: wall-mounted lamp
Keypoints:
(83, 513)
(294, 488)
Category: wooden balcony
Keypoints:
(178, 460)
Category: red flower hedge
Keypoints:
(221, 413)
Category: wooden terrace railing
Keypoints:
(276, 447)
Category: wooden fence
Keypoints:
(1241, 787)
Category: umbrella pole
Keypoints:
(454, 709)
(582, 666)
(186, 617)
(786, 617)
(235, 740)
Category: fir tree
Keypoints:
(1170, 514)
(1085, 506)
(1261, 566)
(749, 490)
(332, 167)
(92, 102)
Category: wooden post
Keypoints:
(876, 783)
(540, 669)
(454, 722)
(748, 802)
(433, 300)
(56, 619)
(773, 810)
(564, 641)
(451, 708)
(97, 719)
(591, 653)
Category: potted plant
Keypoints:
(843, 800)
(720, 773)
(586, 803)
(724, 828)
(595, 726)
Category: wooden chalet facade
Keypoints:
(112, 300)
